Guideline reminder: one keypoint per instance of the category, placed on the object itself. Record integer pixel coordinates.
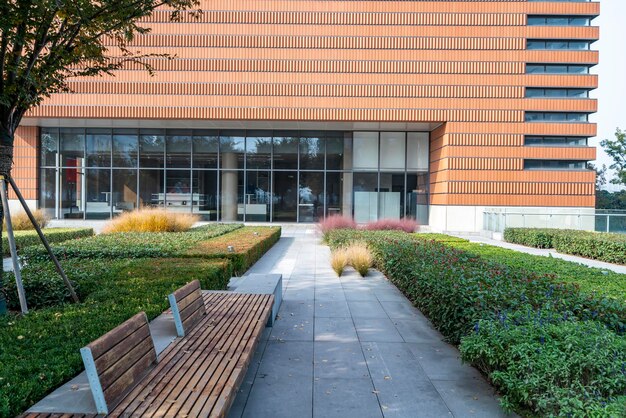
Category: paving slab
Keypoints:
(352, 347)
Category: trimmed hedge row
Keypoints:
(40, 351)
(595, 245)
(134, 244)
(248, 244)
(30, 238)
(495, 312)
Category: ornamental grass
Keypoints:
(151, 220)
(359, 257)
(339, 260)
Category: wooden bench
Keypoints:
(265, 284)
(198, 375)
(116, 362)
(187, 307)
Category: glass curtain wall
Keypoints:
(234, 175)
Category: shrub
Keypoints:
(595, 245)
(151, 220)
(40, 351)
(359, 257)
(333, 222)
(21, 222)
(462, 293)
(405, 224)
(30, 238)
(551, 366)
(339, 260)
(531, 237)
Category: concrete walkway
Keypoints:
(351, 347)
(549, 253)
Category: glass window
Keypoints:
(258, 197)
(152, 148)
(535, 45)
(311, 196)
(579, 21)
(205, 197)
(151, 188)
(338, 151)
(555, 92)
(577, 93)
(557, 21)
(178, 148)
(312, 150)
(336, 189)
(72, 147)
(578, 45)
(232, 149)
(205, 149)
(578, 69)
(534, 68)
(554, 165)
(125, 147)
(391, 196)
(178, 190)
(556, 69)
(365, 187)
(49, 147)
(98, 145)
(124, 196)
(285, 151)
(47, 191)
(417, 152)
(259, 149)
(394, 155)
(417, 188)
(365, 151)
(98, 198)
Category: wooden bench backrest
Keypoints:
(118, 360)
(187, 307)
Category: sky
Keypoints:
(611, 92)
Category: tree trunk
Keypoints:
(6, 163)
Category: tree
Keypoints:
(616, 149)
(45, 42)
(600, 175)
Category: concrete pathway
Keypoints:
(548, 253)
(351, 347)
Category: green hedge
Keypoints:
(40, 351)
(134, 244)
(531, 237)
(30, 238)
(595, 245)
(589, 280)
(465, 295)
(249, 244)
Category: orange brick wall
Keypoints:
(25, 162)
(461, 63)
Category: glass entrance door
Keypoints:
(285, 197)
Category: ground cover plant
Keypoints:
(589, 280)
(40, 351)
(135, 244)
(29, 238)
(513, 323)
(243, 247)
(341, 222)
(595, 245)
(151, 220)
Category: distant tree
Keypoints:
(616, 149)
(608, 200)
(600, 175)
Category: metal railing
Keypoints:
(496, 220)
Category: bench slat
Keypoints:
(194, 381)
(126, 363)
(111, 357)
(197, 372)
(238, 356)
(113, 337)
(219, 307)
(187, 307)
(193, 361)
